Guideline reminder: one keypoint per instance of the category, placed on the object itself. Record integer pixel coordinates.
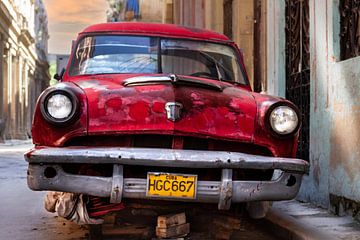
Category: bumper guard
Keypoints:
(284, 185)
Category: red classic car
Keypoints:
(162, 112)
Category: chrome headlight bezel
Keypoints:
(271, 125)
(60, 121)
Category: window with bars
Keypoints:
(349, 29)
(298, 66)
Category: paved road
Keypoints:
(22, 215)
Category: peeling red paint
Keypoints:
(158, 107)
(115, 103)
(139, 111)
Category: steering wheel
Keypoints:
(198, 74)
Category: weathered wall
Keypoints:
(189, 13)
(275, 48)
(167, 12)
(344, 164)
(214, 15)
(151, 10)
(315, 187)
(243, 32)
(335, 112)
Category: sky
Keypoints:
(66, 18)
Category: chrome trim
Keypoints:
(173, 79)
(173, 110)
(208, 191)
(163, 157)
(226, 189)
(117, 184)
(146, 80)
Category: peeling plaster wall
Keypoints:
(243, 32)
(151, 10)
(335, 112)
(275, 42)
(315, 187)
(344, 162)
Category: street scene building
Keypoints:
(23, 64)
(304, 51)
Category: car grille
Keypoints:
(170, 142)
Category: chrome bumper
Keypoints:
(284, 186)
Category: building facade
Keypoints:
(23, 64)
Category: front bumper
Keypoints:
(284, 186)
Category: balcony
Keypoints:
(26, 34)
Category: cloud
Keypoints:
(68, 17)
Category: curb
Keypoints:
(288, 227)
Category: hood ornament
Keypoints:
(173, 110)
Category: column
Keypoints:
(243, 31)
(1, 78)
(275, 48)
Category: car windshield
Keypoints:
(135, 54)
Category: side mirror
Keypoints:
(59, 77)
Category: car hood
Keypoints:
(129, 104)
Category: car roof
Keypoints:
(156, 29)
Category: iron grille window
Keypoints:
(349, 29)
(298, 66)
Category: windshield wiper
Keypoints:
(219, 66)
(173, 79)
(216, 63)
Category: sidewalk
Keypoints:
(15, 145)
(296, 220)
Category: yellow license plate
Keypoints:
(171, 185)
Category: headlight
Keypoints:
(59, 107)
(284, 120)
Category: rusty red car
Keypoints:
(163, 113)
